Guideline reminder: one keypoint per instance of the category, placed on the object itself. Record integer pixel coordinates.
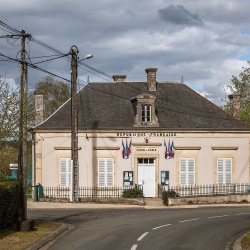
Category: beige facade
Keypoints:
(203, 148)
(142, 120)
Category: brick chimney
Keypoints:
(234, 101)
(39, 106)
(119, 78)
(151, 78)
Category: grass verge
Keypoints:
(16, 240)
(245, 243)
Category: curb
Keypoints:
(237, 243)
(50, 237)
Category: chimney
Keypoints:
(151, 78)
(39, 106)
(234, 101)
(119, 78)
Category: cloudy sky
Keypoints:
(205, 42)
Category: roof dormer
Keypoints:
(145, 111)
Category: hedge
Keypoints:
(10, 196)
(132, 193)
(169, 193)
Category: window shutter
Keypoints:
(183, 179)
(224, 170)
(187, 171)
(101, 172)
(191, 172)
(110, 172)
(220, 171)
(63, 172)
(105, 172)
(228, 172)
(69, 172)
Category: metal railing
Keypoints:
(211, 189)
(94, 192)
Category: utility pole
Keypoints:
(74, 123)
(23, 154)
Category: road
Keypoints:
(147, 229)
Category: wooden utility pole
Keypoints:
(74, 124)
(23, 154)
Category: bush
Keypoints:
(132, 193)
(10, 196)
(169, 193)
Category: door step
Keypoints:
(153, 202)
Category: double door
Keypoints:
(146, 176)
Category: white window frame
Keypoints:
(105, 172)
(187, 171)
(224, 168)
(146, 112)
(65, 172)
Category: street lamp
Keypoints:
(86, 57)
(74, 122)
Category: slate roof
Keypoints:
(108, 106)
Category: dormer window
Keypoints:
(145, 111)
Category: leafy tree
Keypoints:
(9, 112)
(9, 125)
(241, 85)
(55, 93)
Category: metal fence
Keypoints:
(94, 192)
(212, 189)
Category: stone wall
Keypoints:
(218, 199)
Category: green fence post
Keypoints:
(36, 193)
(40, 190)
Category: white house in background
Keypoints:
(146, 133)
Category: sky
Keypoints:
(202, 42)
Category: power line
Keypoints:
(35, 67)
(10, 28)
(51, 59)
(83, 65)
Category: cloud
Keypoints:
(126, 37)
(179, 15)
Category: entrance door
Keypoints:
(146, 176)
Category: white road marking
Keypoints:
(133, 247)
(161, 226)
(243, 213)
(188, 220)
(218, 216)
(141, 237)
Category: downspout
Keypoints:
(33, 158)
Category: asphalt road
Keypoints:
(147, 229)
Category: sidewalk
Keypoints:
(78, 205)
(150, 204)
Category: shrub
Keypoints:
(169, 193)
(132, 193)
(10, 196)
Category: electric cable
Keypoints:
(112, 94)
(35, 67)
(51, 59)
(10, 28)
(81, 64)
